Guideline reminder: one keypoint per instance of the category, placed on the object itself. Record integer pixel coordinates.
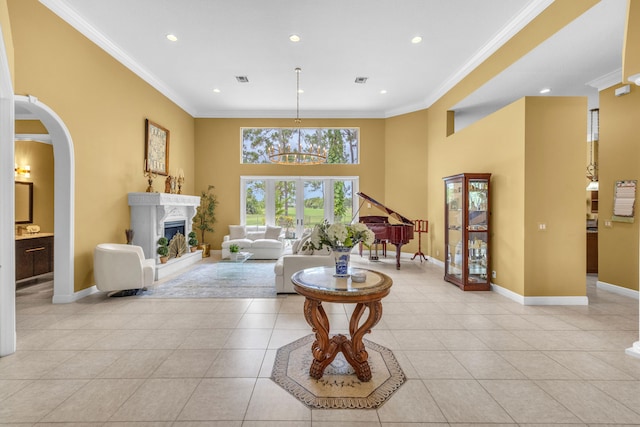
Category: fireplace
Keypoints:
(171, 228)
(155, 215)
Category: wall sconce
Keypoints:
(22, 171)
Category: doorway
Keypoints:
(297, 203)
(29, 107)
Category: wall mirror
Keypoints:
(24, 202)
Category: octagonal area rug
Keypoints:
(339, 388)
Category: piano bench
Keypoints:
(383, 243)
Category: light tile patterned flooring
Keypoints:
(472, 359)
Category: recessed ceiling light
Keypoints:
(294, 38)
(216, 90)
(545, 90)
(300, 90)
(383, 91)
(416, 40)
(172, 37)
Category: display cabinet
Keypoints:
(467, 231)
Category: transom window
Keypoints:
(342, 145)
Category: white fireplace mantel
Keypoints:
(149, 212)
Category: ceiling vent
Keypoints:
(361, 80)
(242, 79)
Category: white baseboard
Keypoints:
(65, 299)
(618, 290)
(575, 300)
(436, 262)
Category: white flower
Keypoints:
(359, 227)
(369, 237)
(337, 233)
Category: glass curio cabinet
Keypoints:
(467, 231)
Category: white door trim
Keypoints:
(64, 187)
(7, 209)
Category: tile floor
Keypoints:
(471, 359)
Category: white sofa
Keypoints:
(120, 267)
(299, 259)
(264, 242)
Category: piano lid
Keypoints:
(383, 208)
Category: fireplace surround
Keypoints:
(151, 214)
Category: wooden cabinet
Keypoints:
(34, 256)
(594, 202)
(592, 251)
(467, 231)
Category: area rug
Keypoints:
(252, 279)
(339, 388)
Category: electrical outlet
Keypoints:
(608, 224)
(437, 252)
(542, 226)
(494, 274)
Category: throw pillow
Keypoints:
(295, 246)
(236, 232)
(272, 232)
(304, 239)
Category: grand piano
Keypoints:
(396, 234)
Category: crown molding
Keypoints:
(286, 114)
(71, 17)
(608, 80)
(525, 16)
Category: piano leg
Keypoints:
(398, 247)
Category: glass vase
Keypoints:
(341, 256)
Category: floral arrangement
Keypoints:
(339, 236)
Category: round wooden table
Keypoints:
(318, 285)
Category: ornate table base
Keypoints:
(325, 349)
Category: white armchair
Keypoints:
(120, 267)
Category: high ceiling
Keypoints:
(219, 40)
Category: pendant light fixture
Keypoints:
(284, 154)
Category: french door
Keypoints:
(297, 203)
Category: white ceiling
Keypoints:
(341, 40)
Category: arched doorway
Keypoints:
(63, 274)
(64, 177)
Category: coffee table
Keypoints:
(227, 268)
(318, 285)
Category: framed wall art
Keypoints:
(624, 200)
(156, 148)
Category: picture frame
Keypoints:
(156, 148)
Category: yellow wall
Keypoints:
(217, 142)
(494, 145)
(40, 157)
(104, 106)
(618, 160)
(406, 173)
(507, 127)
(8, 37)
(555, 259)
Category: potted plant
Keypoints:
(163, 249)
(234, 249)
(206, 217)
(193, 242)
(286, 222)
